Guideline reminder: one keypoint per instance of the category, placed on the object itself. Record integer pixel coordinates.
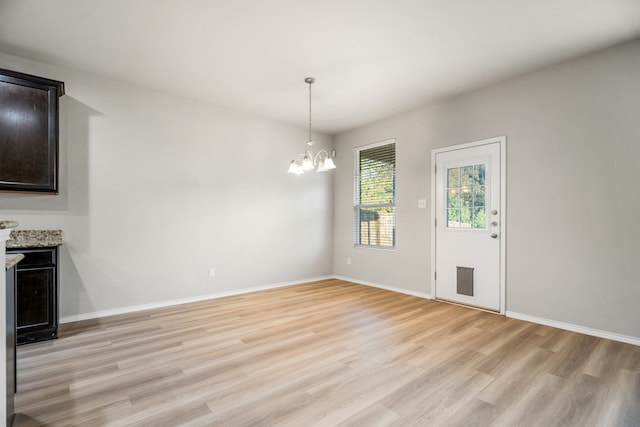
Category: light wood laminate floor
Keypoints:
(328, 353)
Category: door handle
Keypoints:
(493, 235)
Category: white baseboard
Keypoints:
(575, 328)
(160, 304)
(388, 288)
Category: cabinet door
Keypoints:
(29, 132)
(35, 299)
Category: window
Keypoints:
(375, 195)
(466, 197)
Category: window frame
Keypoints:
(357, 206)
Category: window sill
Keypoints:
(372, 247)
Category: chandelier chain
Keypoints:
(310, 82)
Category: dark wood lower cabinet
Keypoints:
(36, 295)
(11, 343)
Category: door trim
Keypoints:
(502, 140)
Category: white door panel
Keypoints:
(467, 208)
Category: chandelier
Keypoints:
(307, 161)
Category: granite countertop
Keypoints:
(34, 238)
(13, 259)
(8, 224)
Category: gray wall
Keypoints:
(156, 189)
(573, 156)
(152, 196)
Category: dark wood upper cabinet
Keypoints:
(29, 132)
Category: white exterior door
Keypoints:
(468, 207)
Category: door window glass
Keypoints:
(466, 201)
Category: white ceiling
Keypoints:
(371, 58)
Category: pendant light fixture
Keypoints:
(304, 162)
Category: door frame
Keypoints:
(502, 140)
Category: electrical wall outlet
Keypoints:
(348, 260)
(212, 272)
